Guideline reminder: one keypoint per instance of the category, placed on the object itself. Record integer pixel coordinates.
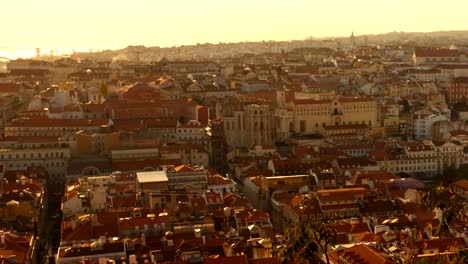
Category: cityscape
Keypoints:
(329, 149)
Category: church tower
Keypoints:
(352, 38)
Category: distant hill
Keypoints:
(436, 38)
(217, 51)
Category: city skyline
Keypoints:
(87, 25)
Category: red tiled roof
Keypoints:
(359, 254)
(234, 200)
(252, 215)
(32, 122)
(218, 180)
(17, 245)
(342, 226)
(9, 88)
(184, 168)
(335, 195)
(89, 107)
(32, 139)
(436, 53)
(462, 184)
(227, 260)
(141, 164)
(271, 260)
(131, 222)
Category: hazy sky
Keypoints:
(26, 24)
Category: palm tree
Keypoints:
(450, 203)
(307, 238)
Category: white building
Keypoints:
(423, 123)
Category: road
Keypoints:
(48, 239)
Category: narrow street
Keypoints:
(49, 222)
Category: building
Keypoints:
(97, 142)
(438, 56)
(98, 250)
(51, 127)
(424, 121)
(20, 153)
(313, 116)
(457, 90)
(253, 125)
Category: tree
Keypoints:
(307, 237)
(104, 89)
(406, 106)
(450, 203)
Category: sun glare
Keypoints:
(17, 54)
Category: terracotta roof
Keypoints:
(443, 244)
(336, 195)
(234, 200)
(227, 260)
(90, 107)
(251, 215)
(360, 254)
(271, 260)
(86, 250)
(9, 88)
(141, 164)
(32, 139)
(342, 127)
(355, 99)
(462, 184)
(311, 101)
(416, 146)
(16, 244)
(131, 222)
(184, 168)
(342, 226)
(437, 53)
(218, 180)
(32, 122)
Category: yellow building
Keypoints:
(89, 142)
(18, 203)
(313, 116)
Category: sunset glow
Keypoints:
(117, 24)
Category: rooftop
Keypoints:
(152, 176)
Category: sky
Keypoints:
(113, 24)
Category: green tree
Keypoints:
(307, 238)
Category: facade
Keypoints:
(253, 125)
(424, 121)
(450, 154)
(97, 142)
(52, 127)
(457, 90)
(438, 56)
(23, 152)
(313, 116)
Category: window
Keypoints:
(302, 126)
